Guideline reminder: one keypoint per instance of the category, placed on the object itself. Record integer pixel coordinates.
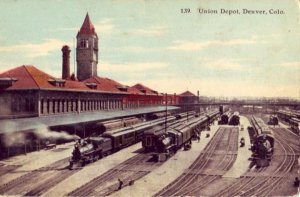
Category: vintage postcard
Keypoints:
(149, 98)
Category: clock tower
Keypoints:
(87, 50)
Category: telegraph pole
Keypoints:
(166, 100)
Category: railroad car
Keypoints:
(273, 120)
(118, 123)
(234, 120)
(287, 115)
(263, 143)
(151, 136)
(295, 125)
(165, 143)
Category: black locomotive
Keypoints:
(224, 118)
(166, 142)
(273, 120)
(234, 120)
(262, 144)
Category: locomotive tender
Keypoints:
(263, 143)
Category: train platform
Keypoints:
(241, 164)
(34, 160)
(169, 171)
(93, 170)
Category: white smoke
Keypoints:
(11, 139)
(13, 135)
(44, 133)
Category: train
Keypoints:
(292, 118)
(95, 147)
(234, 120)
(164, 143)
(151, 136)
(286, 115)
(262, 144)
(295, 125)
(273, 120)
(224, 118)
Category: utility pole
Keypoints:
(166, 100)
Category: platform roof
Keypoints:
(12, 125)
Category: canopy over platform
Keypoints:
(76, 118)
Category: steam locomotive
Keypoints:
(95, 147)
(165, 143)
(262, 146)
(224, 118)
(234, 120)
(273, 120)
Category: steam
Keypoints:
(11, 139)
(12, 136)
(45, 133)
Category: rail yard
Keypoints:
(184, 154)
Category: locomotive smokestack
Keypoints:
(65, 62)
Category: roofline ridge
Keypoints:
(31, 76)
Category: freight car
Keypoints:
(165, 143)
(262, 146)
(93, 148)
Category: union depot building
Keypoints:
(26, 91)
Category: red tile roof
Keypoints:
(87, 27)
(187, 93)
(29, 77)
(144, 89)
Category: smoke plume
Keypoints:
(12, 134)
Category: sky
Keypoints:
(156, 44)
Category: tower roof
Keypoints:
(87, 27)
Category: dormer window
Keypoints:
(84, 43)
(91, 85)
(122, 88)
(143, 90)
(6, 82)
(57, 82)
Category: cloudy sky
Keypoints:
(154, 43)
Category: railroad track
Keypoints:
(105, 184)
(4, 169)
(128, 171)
(38, 181)
(195, 178)
(256, 185)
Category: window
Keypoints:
(84, 43)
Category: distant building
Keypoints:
(188, 97)
(26, 91)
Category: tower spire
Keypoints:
(87, 27)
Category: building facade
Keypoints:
(26, 91)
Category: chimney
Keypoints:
(66, 62)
